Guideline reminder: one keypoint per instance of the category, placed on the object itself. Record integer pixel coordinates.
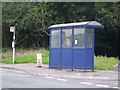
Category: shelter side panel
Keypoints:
(79, 58)
(89, 58)
(55, 58)
(66, 58)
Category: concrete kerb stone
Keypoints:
(100, 78)
(91, 78)
(65, 76)
(80, 77)
(18, 70)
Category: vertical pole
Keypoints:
(14, 46)
(60, 48)
(50, 41)
(72, 46)
(13, 55)
(93, 41)
(85, 49)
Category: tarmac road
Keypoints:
(15, 79)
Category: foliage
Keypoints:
(107, 40)
(25, 56)
(33, 19)
(30, 20)
(105, 63)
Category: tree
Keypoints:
(109, 15)
(31, 20)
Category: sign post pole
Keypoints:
(12, 29)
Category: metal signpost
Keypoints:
(12, 29)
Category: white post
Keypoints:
(13, 55)
(39, 60)
(14, 46)
(12, 29)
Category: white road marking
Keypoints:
(78, 74)
(114, 87)
(56, 78)
(86, 83)
(99, 85)
(61, 79)
(49, 77)
(25, 75)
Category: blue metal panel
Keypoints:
(89, 61)
(55, 58)
(89, 58)
(66, 58)
(93, 36)
(85, 60)
(79, 58)
(50, 50)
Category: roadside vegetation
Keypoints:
(105, 63)
(33, 19)
(29, 56)
(25, 56)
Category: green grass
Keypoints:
(29, 56)
(26, 57)
(104, 63)
(21, 59)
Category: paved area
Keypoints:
(64, 73)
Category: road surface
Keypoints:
(17, 79)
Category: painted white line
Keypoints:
(49, 77)
(99, 85)
(78, 74)
(61, 79)
(86, 83)
(24, 75)
(114, 87)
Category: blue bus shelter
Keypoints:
(72, 45)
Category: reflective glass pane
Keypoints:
(55, 39)
(67, 38)
(79, 37)
(89, 37)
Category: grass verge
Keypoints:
(25, 56)
(104, 63)
(29, 56)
